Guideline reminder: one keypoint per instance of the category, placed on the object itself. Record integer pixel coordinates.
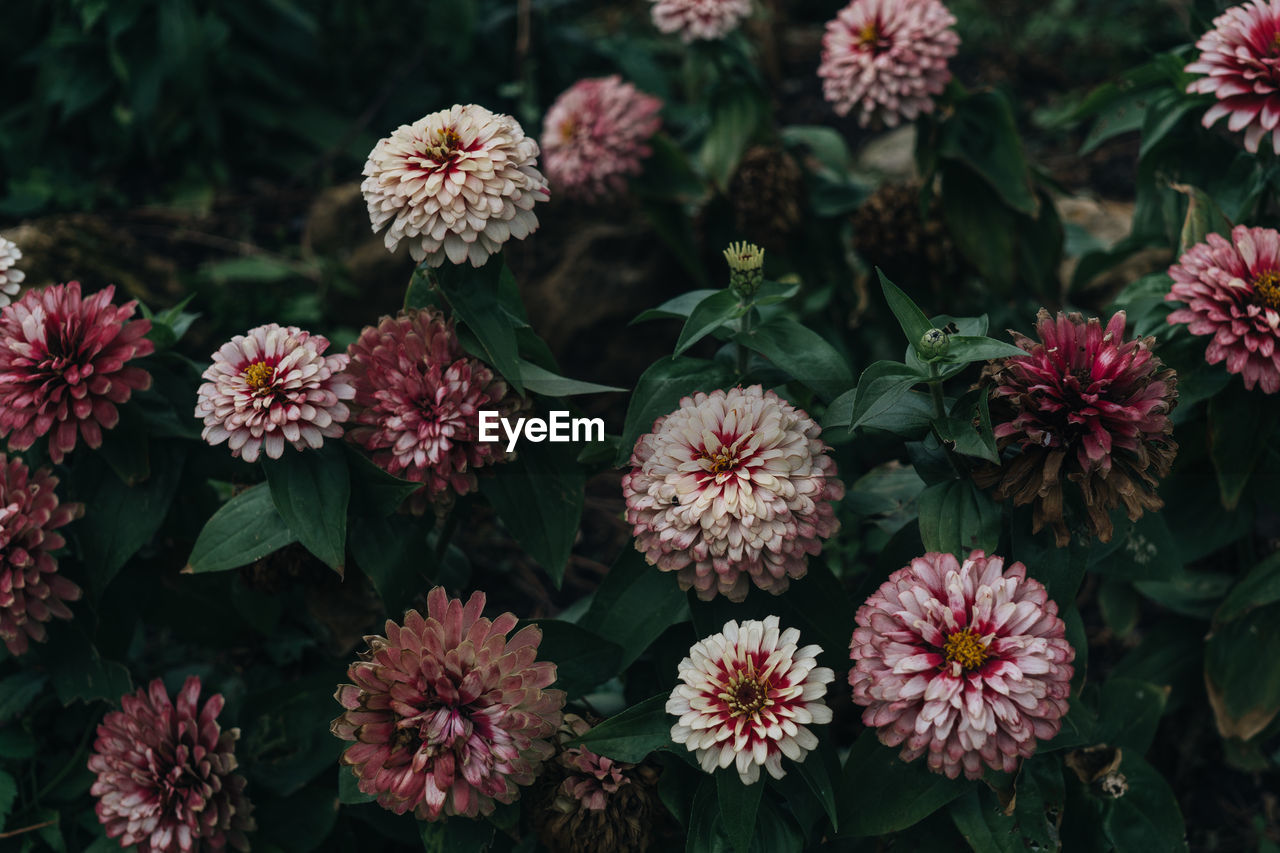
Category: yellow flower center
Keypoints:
(869, 34)
(965, 648)
(444, 146)
(1267, 288)
(722, 460)
(258, 375)
(568, 129)
(746, 693)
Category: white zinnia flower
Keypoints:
(10, 278)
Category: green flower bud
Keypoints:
(933, 344)
(746, 268)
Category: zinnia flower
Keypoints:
(10, 278)
(166, 779)
(590, 779)
(887, 59)
(1232, 291)
(456, 183)
(708, 20)
(1087, 407)
(746, 696)
(271, 385)
(731, 487)
(963, 661)
(31, 590)
(595, 135)
(449, 716)
(1240, 58)
(417, 399)
(64, 366)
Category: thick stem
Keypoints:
(935, 391)
(743, 353)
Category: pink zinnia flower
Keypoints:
(166, 779)
(273, 385)
(887, 59)
(708, 20)
(31, 590)
(1232, 291)
(64, 366)
(10, 278)
(448, 714)
(417, 399)
(1088, 407)
(733, 487)
(457, 183)
(963, 661)
(590, 779)
(746, 697)
(595, 135)
(1240, 57)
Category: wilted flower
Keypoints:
(272, 385)
(708, 20)
(596, 134)
(963, 661)
(31, 590)
(64, 366)
(746, 696)
(891, 231)
(590, 778)
(166, 779)
(1232, 291)
(767, 193)
(448, 714)
(10, 278)
(1084, 406)
(1239, 60)
(730, 487)
(417, 401)
(457, 183)
(887, 58)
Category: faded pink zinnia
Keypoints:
(590, 779)
(32, 591)
(596, 134)
(1232, 291)
(965, 662)
(273, 385)
(1240, 58)
(457, 183)
(449, 715)
(10, 277)
(417, 399)
(166, 779)
(887, 59)
(732, 488)
(746, 697)
(64, 366)
(706, 20)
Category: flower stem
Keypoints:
(935, 391)
(743, 353)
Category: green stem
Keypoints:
(76, 761)
(446, 534)
(935, 391)
(743, 353)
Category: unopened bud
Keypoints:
(746, 268)
(934, 343)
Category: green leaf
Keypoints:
(78, 671)
(376, 492)
(1240, 428)
(910, 318)
(825, 144)
(349, 793)
(963, 435)
(679, 307)
(393, 552)
(244, 529)
(879, 389)
(1129, 713)
(584, 659)
(16, 744)
(738, 806)
(539, 497)
(706, 830)
(956, 516)
(311, 490)
(773, 292)
(1261, 586)
(710, 314)
(801, 352)
(982, 134)
(984, 231)
(839, 411)
(1147, 818)
(474, 296)
(736, 112)
(813, 770)
(419, 293)
(8, 793)
(18, 691)
(1242, 672)
(1204, 217)
(542, 381)
(658, 393)
(968, 348)
(1039, 797)
(984, 825)
(635, 604)
(634, 733)
(884, 794)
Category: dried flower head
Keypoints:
(32, 591)
(732, 488)
(10, 277)
(457, 183)
(1085, 406)
(449, 715)
(1240, 58)
(166, 779)
(1232, 292)
(273, 385)
(596, 134)
(706, 20)
(64, 366)
(965, 662)
(746, 697)
(767, 193)
(887, 59)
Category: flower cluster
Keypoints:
(730, 489)
(705, 20)
(10, 277)
(596, 134)
(1242, 70)
(64, 366)
(965, 662)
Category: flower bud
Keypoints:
(746, 268)
(934, 344)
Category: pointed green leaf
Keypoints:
(708, 315)
(476, 301)
(738, 806)
(634, 733)
(311, 490)
(244, 529)
(910, 318)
